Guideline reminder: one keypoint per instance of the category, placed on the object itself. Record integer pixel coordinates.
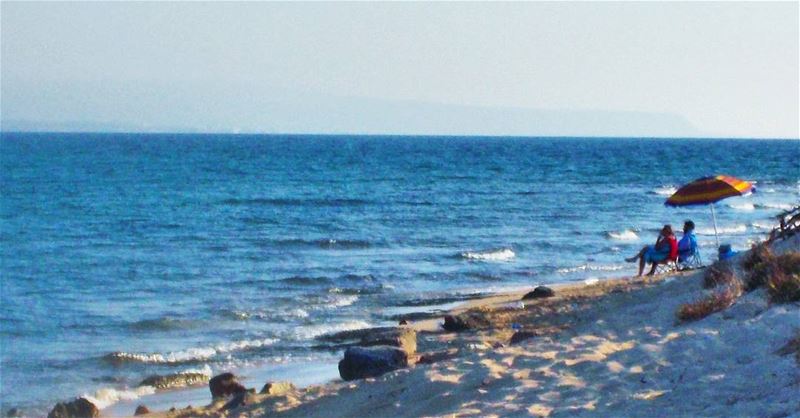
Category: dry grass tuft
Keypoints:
(789, 262)
(783, 287)
(759, 264)
(759, 253)
(718, 274)
(715, 302)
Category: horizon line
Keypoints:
(332, 134)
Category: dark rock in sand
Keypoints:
(520, 336)
(539, 292)
(240, 399)
(363, 362)
(79, 408)
(402, 337)
(141, 410)
(224, 385)
(436, 356)
(465, 321)
(277, 388)
(177, 380)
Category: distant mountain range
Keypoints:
(241, 109)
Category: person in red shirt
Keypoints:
(664, 250)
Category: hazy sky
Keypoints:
(660, 69)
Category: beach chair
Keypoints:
(670, 265)
(689, 260)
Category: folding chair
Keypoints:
(690, 261)
(670, 265)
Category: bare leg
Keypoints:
(653, 270)
(641, 265)
(638, 255)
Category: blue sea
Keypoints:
(127, 255)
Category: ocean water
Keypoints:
(125, 255)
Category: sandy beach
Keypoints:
(609, 348)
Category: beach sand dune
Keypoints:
(613, 348)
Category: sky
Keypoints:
(562, 68)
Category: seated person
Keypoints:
(687, 246)
(665, 249)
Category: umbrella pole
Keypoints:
(714, 218)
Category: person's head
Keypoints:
(666, 230)
(688, 226)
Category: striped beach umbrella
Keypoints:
(707, 191)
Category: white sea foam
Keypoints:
(504, 254)
(192, 354)
(311, 331)
(736, 229)
(589, 267)
(109, 396)
(626, 235)
(341, 301)
(780, 206)
(667, 190)
(759, 225)
(746, 206)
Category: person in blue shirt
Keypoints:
(688, 244)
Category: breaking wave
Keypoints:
(311, 331)
(747, 206)
(664, 190)
(736, 229)
(626, 235)
(780, 206)
(106, 397)
(589, 267)
(190, 355)
(504, 254)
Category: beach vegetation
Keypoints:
(716, 301)
(780, 274)
(758, 254)
(783, 285)
(758, 263)
(718, 274)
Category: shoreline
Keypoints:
(591, 349)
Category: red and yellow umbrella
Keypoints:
(709, 190)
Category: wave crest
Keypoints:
(312, 331)
(503, 254)
(736, 229)
(666, 190)
(190, 355)
(105, 397)
(746, 206)
(626, 235)
(588, 267)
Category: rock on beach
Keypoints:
(363, 362)
(465, 321)
(141, 410)
(225, 384)
(277, 388)
(539, 292)
(402, 337)
(176, 380)
(78, 408)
